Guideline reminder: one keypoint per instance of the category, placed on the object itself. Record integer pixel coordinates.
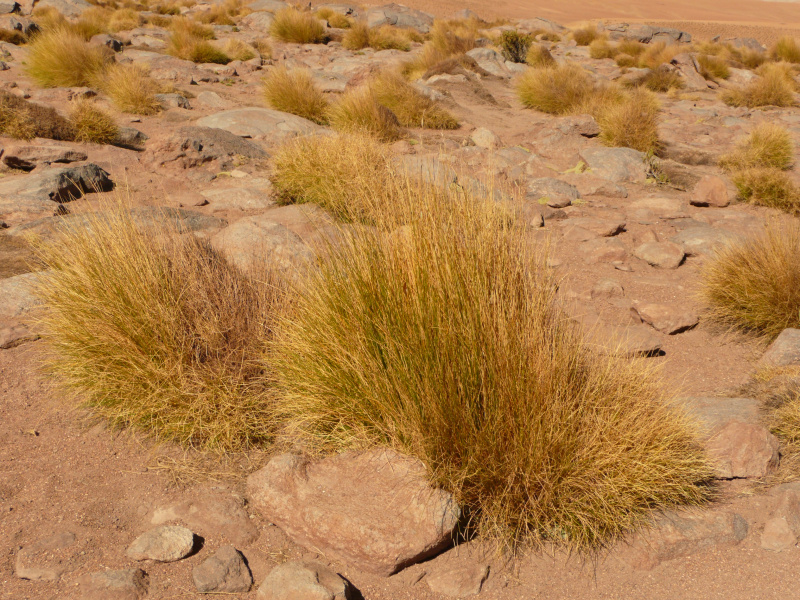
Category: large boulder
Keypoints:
(616, 164)
(192, 146)
(399, 16)
(254, 122)
(644, 33)
(374, 509)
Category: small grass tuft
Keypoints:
(91, 123)
(631, 122)
(771, 89)
(768, 186)
(12, 36)
(358, 111)
(556, 89)
(298, 27)
(585, 35)
(238, 50)
(768, 146)
(61, 58)
(539, 56)
(661, 79)
(25, 120)
(295, 92)
(713, 67)
(600, 48)
(187, 46)
(786, 49)
(131, 89)
(410, 106)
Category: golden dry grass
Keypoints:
(661, 79)
(658, 54)
(410, 106)
(358, 111)
(768, 186)
(555, 89)
(298, 27)
(601, 48)
(295, 92)
(91, 123)
(768, 145)
(25, 120)
(713, 67)
(437, 332)
(334, 19)
(631, 122)
(12, 36)
(187, 46)
(239, 50)
(753, 283)
(61, 58)
(515, 45)
(584, 36)
(772, 88)
(131, 89)
(786, 49)
(157, 331)
(453, 37)
(360, 36)
(539, 56)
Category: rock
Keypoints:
(191, 146)
(212, 99)
(663, 255)
(584, 125)
(8, 7)
(677, 535)
(697, 241)
(714, 413)
(647, 209)
(16, 296)
(597, 225)
(743, 42)
(485, 138)
(223, 572)
(238, 199)
(619, 165)
(553, 192)
(490, 61)
(607, 288)
(690, 71)
(666, 318)
(260, 20)
(777, 535)
(711, 190)
(539, 24)
(14, 22)
(645, 33)
(28, 156)
(103, 39)
(251, 239)
(399, 16)
(68, 8)
(604, 250)
(268, 5)
(172, 101)
(15, 335)
(303, 580)
(45, 559)
(256, 122)
(784, 351)
(373, 509)
(211, 514)
(743, 450)
(460, 580)
(128, 137)
(166, 543)
(126, 584)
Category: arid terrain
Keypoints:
(629, 232)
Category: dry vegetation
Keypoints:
(294, 92)
(358, 111)
(786, 49)
(409, 105)
(61, 58)
(773, 88)
(584, 36)
(25, 120)
(91, 123)
(447, 40)
(298, 27)
(131, 89)
(539, 56)
(361, 36)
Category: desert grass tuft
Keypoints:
(360, 36)
(600, 48)
(21, 119)
(584, 36)
(454, 37)
(539, 56)
(298, 27)
(157, 331)
(660, 53)
(61, 58)
(753, 283)
(187, 46)
(632, 122)
(556, 89)
(239, 50)
(131, 89)
(661, 79)
(410, 106)
(515, 45)
(12, 36)
(786, 49)
(713, 67)
(91, 123)
(437, 332)
(768, 186)
(358, 111)
(334, 19)
(771, 89)
(295, 92)
(768, 146)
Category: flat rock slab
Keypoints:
(743, 451)
(667, 318)
(784, 351)
(777, 535)
(191, 146)
(712, 413)
(17, 297)
(167, 543)
(553, 192)
(458, 581)
(45, 559)
(702, 241)
(28, 156)
(126, 584)
(211, 514)
(711, 190)
(373, 509)
(260, 122)
(620, 165)
(245, 199)
(597, 225)
(223, 572)
(662, 255)
(303, 580)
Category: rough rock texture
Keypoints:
(667, 318)
(711, 190)
(664, 255)
(303, 580)
(701, 240)
(373, 509)
(12, 336)
(777, 535)
(28, 156)
(399, 16)
(460, 580)
(256, 122)
(784, 351)
(714, 413)
(167, 543)
(553, 192)
(126, 584)
(192, 146)
(16, 296)
(250, 239)
(616, 164)
(743, 450)
(44, 559)
(223, 572)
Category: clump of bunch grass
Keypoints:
(359, 111)
(12, 36)
(515, 45)
(713, 67)
(768, 187)
(453, 37)
(409, 105)
(189, 28)
(584, 36)
(661, 79)
(753, 283)
(632, 122)
(437, 332)
(772, 88)
(91, 123)
(25, 120)
(131, 89)
(361, 36)
(555, 89)
(786, 49)
(263, 47)
(61, 58)
(331, 171)
(767, 146)
(157, 331)
(187, 46)
(539, 56)
(298, 27)
(334, 19)
(238, 50)
(600, 48)
(295, 92)
(655, 55)
(223, 13)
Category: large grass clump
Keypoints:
(359, 111)
(25, 120)
(437, 332)
(767, 146)
(295, 92)
(186, 46)
(411, 107)
(772, 88)
(62, 58)
(158, 331)
(632, 122)
(753, 284)
(584, 36)
(91, 123)
(299, 27)
(361, 36)
(131, 89)
(555, 89)
(768, 187)
(786, 49)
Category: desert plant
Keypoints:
(91, 123)
(410, 106)
(335, 172)
(359, 111)
(450, 38)
(12, 36)
(661, 79)
(750, 58)
(786, 49)
(515, 45)
(767, 146)
(357, 38)
(223, 13)
(584, 36)
(632, 122)
(26, 120)
(131, 89)
(123, 20)
(768, 186)
(658, 54)
(626, 60)
(631, 47)
(189, 28)
(539, 56)
(771, 89)
(600, 48)
(263, 47)
(556, 89)
(437, 332)
(295, 92)
(713, 67)
(334, 19)
(157, 330)
(61, 58)
(361, 36)
(189, 47)
(299, 27)
(238, 50)
(423, 62)
(753, 283)
(48, 18)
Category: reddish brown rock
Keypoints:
(303, 580)
(664, 255)
(784, 351)
(665, 317)
(777, 535)
(127, 584)
(374, 509)
(743, 450)
(710, 191)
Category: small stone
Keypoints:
(167, 543)
(303, 580)
(485, 138)
(604, 250)
(44, 560)
(225, 572)
(663, 255)
(460, 580)
(701, 240)
(598, 226)
(666, 318)
(777, 535)
(127, 584)
(743, 451)
(607, 288)
(784, 351)
(710, 191)
(553, 192)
